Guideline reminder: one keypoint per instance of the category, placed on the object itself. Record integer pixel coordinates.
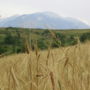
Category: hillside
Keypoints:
(43, 20)
(58, 69)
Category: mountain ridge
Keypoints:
(43, 20)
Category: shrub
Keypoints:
(41, 44)
(84, 37)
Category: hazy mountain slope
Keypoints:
(43, 20)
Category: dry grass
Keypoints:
(59, 69)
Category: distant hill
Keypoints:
(43, 20)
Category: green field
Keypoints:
(14, 40)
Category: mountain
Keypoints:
(43, 20)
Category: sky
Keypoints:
(69, 8)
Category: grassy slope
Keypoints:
(60, 69)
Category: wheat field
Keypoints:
(65, 68)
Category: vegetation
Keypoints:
(12, 40)
(40, 67)
(67, 68)
(84, 37)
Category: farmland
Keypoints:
(66, 68)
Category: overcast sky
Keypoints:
(72, 8)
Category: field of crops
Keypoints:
(66, 68)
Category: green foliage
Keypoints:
(84, 37)
(3, 49)
(41, 44)
(12, 39)
(66, 40)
